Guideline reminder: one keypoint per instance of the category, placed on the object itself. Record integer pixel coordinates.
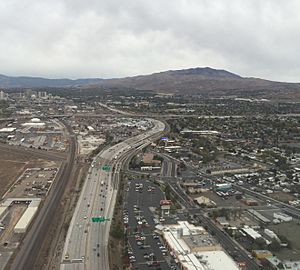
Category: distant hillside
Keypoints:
(15, 82)
(200, 80)
(186, 81)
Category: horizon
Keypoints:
(148, 74)
(80, 39)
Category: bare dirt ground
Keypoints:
(9, 171)
(14, 160)
(281, 196)
(291, 230)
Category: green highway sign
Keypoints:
(99, 219)
(106, 168)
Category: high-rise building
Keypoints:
(3, 95)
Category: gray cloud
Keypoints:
(113, 38)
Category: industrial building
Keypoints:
(282, 217)
(25, 220)
(252, 233)
(34, 123)
(223, 187)
(259, 216)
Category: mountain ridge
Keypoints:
(184, 81)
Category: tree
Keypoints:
(275, 246)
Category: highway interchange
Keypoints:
(86, 241)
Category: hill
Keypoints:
(186, 81)
(16, 82)
(205, 81)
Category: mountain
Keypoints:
(186, 81)
(15, 82)
(201, 81)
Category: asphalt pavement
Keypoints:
(144, 200)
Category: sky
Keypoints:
(118, 38)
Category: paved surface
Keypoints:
(86, 241)
(144, 199)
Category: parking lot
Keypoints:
(141, 215)
(34, 182)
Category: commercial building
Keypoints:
(202, 200)
(274, 263)
(194, 249)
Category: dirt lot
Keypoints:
(14, 160)
(291, 230)
(229, 201)
(9, 171)
(281, 196)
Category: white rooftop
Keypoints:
(217, 260)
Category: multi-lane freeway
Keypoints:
(86, 245)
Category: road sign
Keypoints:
(106, 168)
(99, 219)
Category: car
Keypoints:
(131, 257)
(98, 254)
(139, 243)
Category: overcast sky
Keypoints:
(115, 38)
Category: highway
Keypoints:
(86, 244)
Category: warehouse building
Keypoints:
(25, 220)
(282, 217)
(259, 216)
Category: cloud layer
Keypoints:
(115, 38)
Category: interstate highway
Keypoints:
(86, 242)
